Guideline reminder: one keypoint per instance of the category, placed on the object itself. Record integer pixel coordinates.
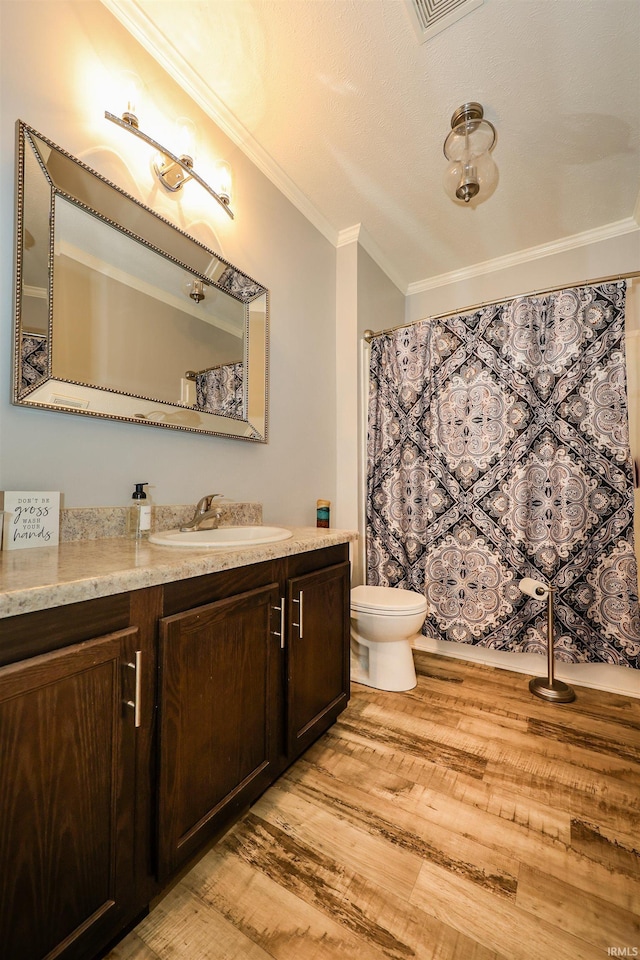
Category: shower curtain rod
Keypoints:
(192, 374)
(369, 335)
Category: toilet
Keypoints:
(383, 621)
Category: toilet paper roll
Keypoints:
(535, 588)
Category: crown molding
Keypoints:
(349, 235)
(607, 232)
(136, 22)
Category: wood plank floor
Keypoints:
(463, 820)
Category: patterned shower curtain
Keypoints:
(498, 449)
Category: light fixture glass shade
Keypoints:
(131, 88)
(224, 181)
(185, 143)
(471, 171)
(470, 138)
(464, 180)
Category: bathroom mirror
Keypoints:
(120, 314)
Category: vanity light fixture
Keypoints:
(472, 171)
(174, 171)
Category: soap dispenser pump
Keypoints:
(139, 514)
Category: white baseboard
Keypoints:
(598, 676)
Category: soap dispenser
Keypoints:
(139, 514)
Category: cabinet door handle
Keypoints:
(136, 702)
(281, 610)
(300, 614)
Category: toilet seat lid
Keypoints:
(390, 600)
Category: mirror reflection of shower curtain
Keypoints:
(34, 354)
(221, 389)
(498, 449)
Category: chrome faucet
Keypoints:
(205, 512)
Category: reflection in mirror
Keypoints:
(127, 320)
(122, 315)
(35, 274)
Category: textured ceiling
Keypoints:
(338, 102)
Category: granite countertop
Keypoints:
(42, 577)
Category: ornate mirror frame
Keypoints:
(83, 242)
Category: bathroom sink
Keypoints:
(222, 537)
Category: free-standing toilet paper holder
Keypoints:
(548, 688)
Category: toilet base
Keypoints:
(384, 665)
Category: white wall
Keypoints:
(62, 64)
(346, 513)
(583, 263)
(366, 299)
(380, 305)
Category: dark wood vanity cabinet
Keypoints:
(217, 728)
(245, 686)
(135, 728)
(317, 686)
(67, 766)
(77, 707)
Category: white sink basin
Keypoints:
(247, 536)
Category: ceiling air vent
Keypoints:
(431, 16)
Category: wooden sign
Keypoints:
(31, 519)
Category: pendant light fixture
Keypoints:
(471, 172)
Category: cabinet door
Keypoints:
(65, 761)
(217, 703)
(317, 653)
